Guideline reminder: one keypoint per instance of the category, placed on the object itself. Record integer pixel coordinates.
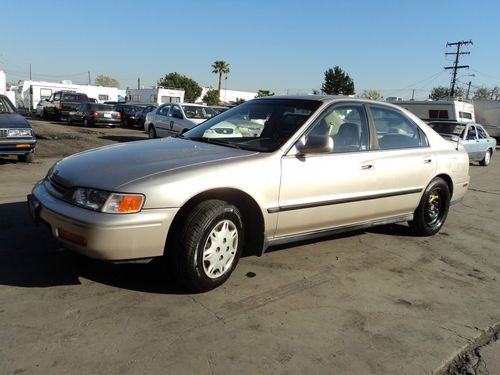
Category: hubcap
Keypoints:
(433, 207)
(220, 249)
(487, 158)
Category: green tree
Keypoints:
(191, 88)
(220, 67)
(239, 101)
(372, 94)
(262, 93)
(337, 82)
(482, 93)
(442, 92)
(211, 97)
(102, 80)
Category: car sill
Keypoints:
(333, 231)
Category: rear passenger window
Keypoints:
(346, 124)
(394, 130)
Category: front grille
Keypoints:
(4, 133)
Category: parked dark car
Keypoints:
(61, 103)
(140, 115)
(16, 135)
(219, 109)
(128, 113)
(91, 114)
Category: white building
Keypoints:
(229, 96)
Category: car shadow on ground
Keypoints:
(7, 160)
(31, 258)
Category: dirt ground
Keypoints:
(371, 302)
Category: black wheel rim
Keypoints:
(435, 207)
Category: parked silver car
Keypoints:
(300, 168)
(174, 118)
(475, 139)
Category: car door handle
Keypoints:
(367, 166)
(427, 160)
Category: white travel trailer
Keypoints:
(29, 93)
(433, 110)
(155, 95)
(488, 114)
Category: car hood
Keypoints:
(113, 167)
(13, 120)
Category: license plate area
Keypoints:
(107, 115)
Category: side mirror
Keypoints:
(315, 144)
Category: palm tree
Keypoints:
(220, 67)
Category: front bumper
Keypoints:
(17, 146)
(100, 235)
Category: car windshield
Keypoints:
(259, 125)
(196, 112)
(448, 128)
(6, 106)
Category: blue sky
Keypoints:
(284, 46)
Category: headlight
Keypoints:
(105, 201)
(19, 133)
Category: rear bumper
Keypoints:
(99, 235)
(105, 121)
(460, 187)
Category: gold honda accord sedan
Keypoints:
(267, 172)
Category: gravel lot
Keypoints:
(370, 302)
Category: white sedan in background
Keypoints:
(174, 118)
(475, 139)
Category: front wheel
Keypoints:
(85, 122)
(487, 159)
(432, 210)
(26, 158)
(209, 245)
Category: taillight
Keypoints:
(95, 114)
(118, 115)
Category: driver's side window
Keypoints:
(346, 125)
(471, 135)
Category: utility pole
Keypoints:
(138, 83)
(455, 66)
(30, 72)
(89, 76)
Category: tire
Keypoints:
(152, 132)
(26, 158)
(487, 159)
(431, 213)
(45, 115)
(69, 121)
(208, 246)
(85, 123)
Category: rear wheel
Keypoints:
(432, 210)
(151, 132)
(69, 120)
(487, 159)
(85, 122)
(45, 115)
(208, 246)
